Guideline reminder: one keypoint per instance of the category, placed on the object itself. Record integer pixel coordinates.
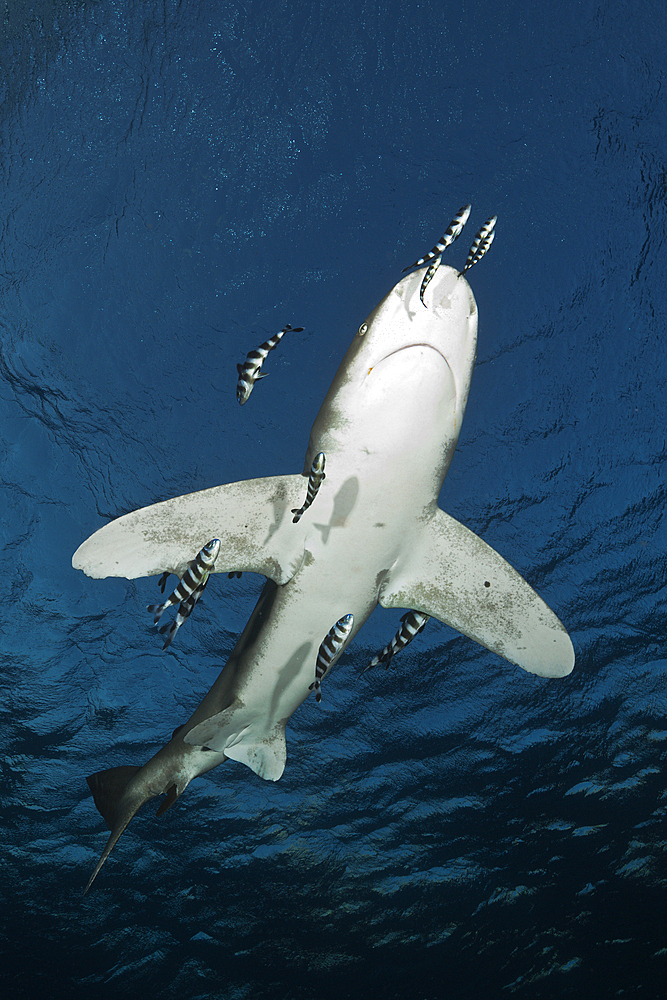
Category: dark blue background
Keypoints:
(180, 179)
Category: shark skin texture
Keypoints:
(388, 427)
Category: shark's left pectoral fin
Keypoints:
(456, 577)
(252, 519)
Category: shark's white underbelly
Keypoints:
(341, 573)
(382, 479)
(388, 427)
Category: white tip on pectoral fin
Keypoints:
(252, 519)
(456, 577)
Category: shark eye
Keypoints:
(363, 329)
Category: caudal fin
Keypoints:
(109, 790)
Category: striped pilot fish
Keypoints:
(185, 609)
(195, 576)
(434, 256)
(480, 244)
(412, 623)
(333, 643)
(249, 370)
(316, 477)
(452, 233)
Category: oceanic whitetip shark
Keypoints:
(388, 426)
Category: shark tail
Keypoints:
(109, 788)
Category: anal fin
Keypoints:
(168, 801)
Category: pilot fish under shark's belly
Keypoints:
(388, 427)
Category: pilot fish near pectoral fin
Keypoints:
(194, 578)
(185, 609)
(252, 520)
(411, 625)
(316, 477)
(453, 575)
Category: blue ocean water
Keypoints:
(179, 180)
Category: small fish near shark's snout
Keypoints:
(249, 371)
(452, 233)
(379, 538)
(433, 258)
(481, 244)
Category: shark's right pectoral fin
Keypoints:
(252, 519)
(453, 575)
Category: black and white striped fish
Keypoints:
(316, 477)
(426, 280)
(195, 575)
(249, 370)
(333, 642)
(452, 233)
(185, 609)
(412, 623)
(480, 244)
